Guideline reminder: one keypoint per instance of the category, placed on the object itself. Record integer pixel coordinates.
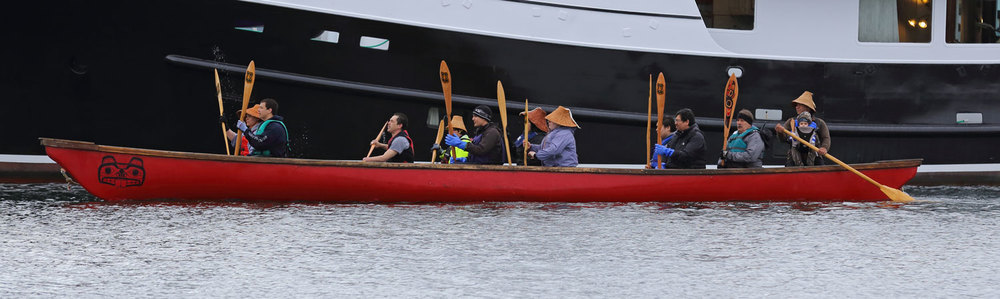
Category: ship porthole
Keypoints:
(735, 70)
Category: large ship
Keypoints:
(893, 79)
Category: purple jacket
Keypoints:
(558, 148)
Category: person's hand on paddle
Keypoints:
(379, 144)
(822, 151)
(436, 147)
(242, 126)
(663, 150)
(453, 140)
(223, 119)
(527, 145)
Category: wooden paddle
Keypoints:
(661, 98)
(502, 100)
(893, 193)
(247, 88)
(649, 120)
(437, 141)
(218, 93)
(526, 127)
(728, 105)
(445, 76)
(380, 132)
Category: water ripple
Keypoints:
(65, 243)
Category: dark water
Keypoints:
(59, 243)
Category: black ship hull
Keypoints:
(117, 73)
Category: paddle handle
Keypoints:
(380, 132)
(649, 120)
(781, 129)
(437, 140)
(526, 127)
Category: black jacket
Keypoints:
(273, 139)
(486, 146)
(689, 149)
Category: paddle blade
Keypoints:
(895, 194)
(251, 74)
(445, 76)
(729, 96)
(218, 94)
(502, 101)
(661, 98)
(218, 90)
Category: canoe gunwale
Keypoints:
(90, 146)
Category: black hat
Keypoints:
(483, 112)
(745, 115)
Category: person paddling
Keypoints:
(271, 138)
(805, 104)
(558, 148)
(400, 146)
(746, 148)
(486, 146)
(537, 131)
(666, 133)
(253, 121)
(687, 148)
(458, 129)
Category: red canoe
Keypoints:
(119, 173)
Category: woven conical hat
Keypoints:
(537, 117)
(562, 117)
(806, 99)
(458, 123)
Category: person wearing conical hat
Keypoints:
(537, 131)
(253, 121)
(558, 148)
(458, 129)
(687, 148)
(805, 104)
(486, 146)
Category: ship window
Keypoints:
(328, 36)
(969, 118)
(973, 22)
(894, 21)
(433, 117)
(377, 43)
(727, 14)
(257, 29)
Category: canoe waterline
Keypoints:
(119, 173)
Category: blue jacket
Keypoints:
(558, 148)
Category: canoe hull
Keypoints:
(113, 173)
